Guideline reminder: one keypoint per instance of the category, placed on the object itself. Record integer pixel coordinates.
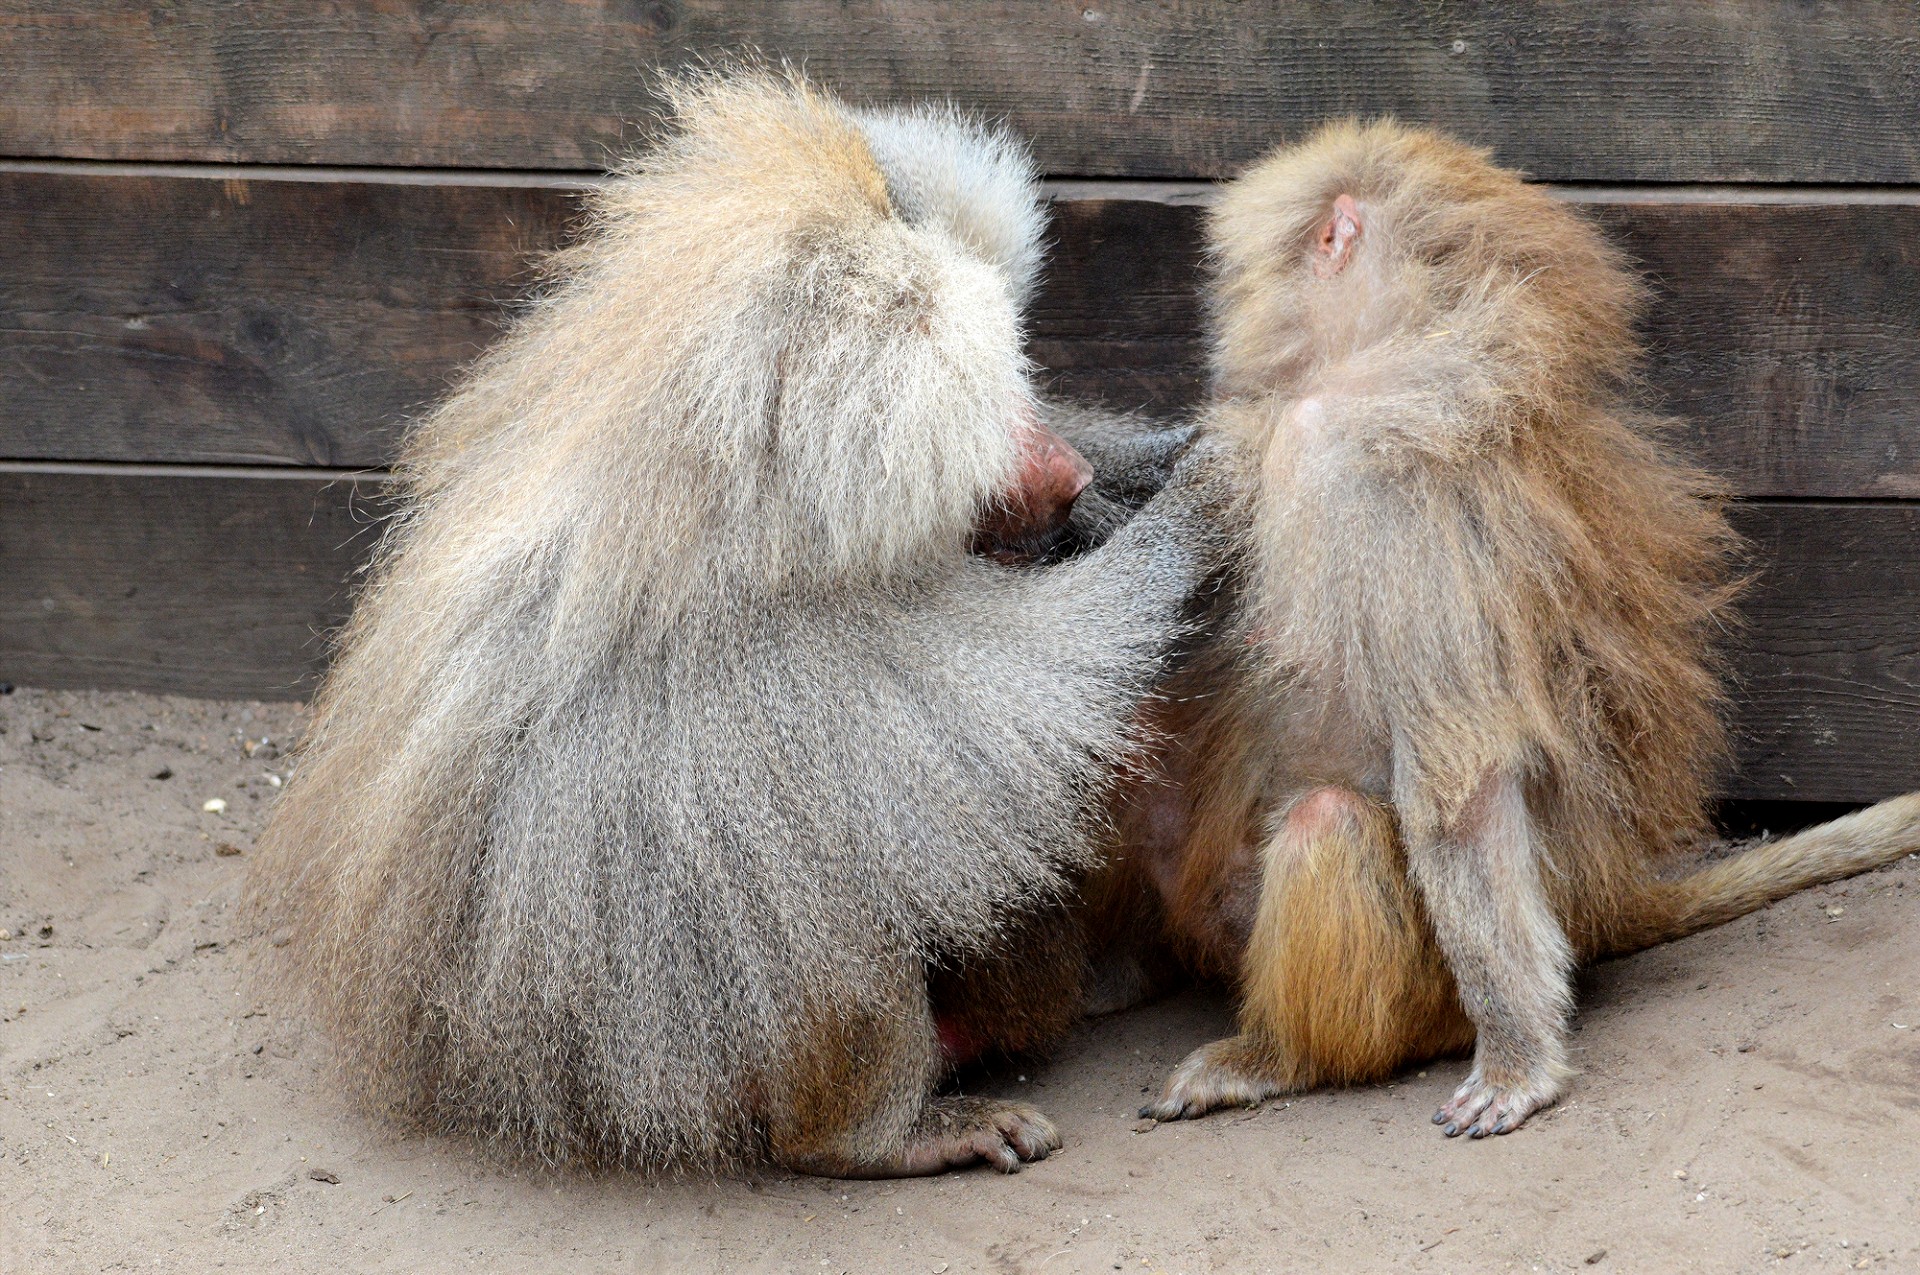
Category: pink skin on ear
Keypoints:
(1335, 244)
(1050, 476)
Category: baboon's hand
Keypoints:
(1168, 446)
(951, 1133)
(1207, 491)
(1207, 456)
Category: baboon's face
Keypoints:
(1031, 514)
(972, 187)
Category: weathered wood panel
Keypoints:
(201, 583)
(1829, 669)
(1761, 90)
(1117, 316)
(285, 322)
(208, 583)
(154, 318)
(1784, 337)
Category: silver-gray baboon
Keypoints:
(679, 745)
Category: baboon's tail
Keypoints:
(1721, 891)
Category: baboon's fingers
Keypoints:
(985, 1147)
(1029, 1133)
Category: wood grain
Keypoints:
(1605, 90)
(207, 583)
(243, 322)
(202, 582)
(1784, 337)
(223, 320)
(1829, 669)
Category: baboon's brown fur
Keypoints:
(678, 742)
(1457, 728)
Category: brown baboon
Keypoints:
(1455, 729)
(679, 745)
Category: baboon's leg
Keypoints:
(1018, 997)
(1480, 877)
(1128, 959)
(864, 1104)
(1341, 981)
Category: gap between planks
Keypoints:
(1059, 189)
(323, 474)
(149, 469)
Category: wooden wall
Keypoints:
(241, 242)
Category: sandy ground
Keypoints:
(1749, 1099)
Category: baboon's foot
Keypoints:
(1227, 1073)
(1481, 1106)
(951, 1133)
(954, 1133)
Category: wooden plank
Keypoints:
(1783, 336)
(209, 583)
(1620, 90)
(244, 322)
(198, 583)
(223, 320)
(1117, 316)
(1829, 668)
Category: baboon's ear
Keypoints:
(1334, 244)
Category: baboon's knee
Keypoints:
(1326, 811)
(1342, 981)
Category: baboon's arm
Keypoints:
(1088, 637)
(1131, 457)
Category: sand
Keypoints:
(1748, 1099)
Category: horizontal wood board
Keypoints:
(1620, 90)
(199, 584)
(232, 321)
(247, 322)
(214, 584)
(1828, 670)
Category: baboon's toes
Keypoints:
(958, 1132)
(1030, 1134)
(1223, 1074)
(1480, 1107)
(951, 1133)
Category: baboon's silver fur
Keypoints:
(676, 721)
(947, 169)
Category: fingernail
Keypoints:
(1453, 1131)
